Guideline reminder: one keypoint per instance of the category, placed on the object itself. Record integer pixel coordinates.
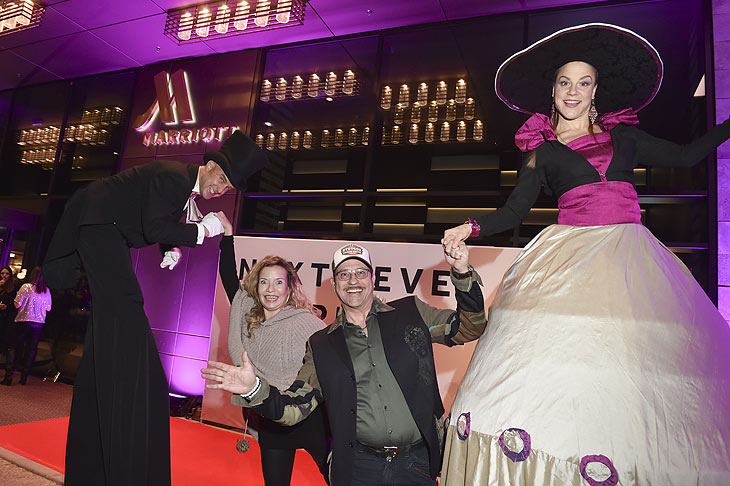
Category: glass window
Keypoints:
(34, 130)
(314, 117)
(440, 143)
(94, 132)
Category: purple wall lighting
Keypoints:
(179, 302)
(179, 305)
(721, 28)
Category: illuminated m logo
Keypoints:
(172, 102)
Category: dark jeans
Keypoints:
(26, 345)
(6, 335)
(409, 469)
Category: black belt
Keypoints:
(389, 452)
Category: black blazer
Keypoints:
(145, 203)
(7, 316)
(407, 344)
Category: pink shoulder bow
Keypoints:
(538, 129)
(627, 116)
(534, 132)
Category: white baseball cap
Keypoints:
(351, 250)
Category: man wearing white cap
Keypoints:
(374, 368)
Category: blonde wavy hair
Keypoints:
(295, 295)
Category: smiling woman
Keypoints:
(271, 319)
(574, 105)
(595, 311)
(273, 284)
(273, 290)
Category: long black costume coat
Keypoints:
(119, 426)
(145, 203)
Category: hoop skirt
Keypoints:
(603, 363)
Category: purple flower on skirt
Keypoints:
(463, 425)
(511, 436)
(593, 475)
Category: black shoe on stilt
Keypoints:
(8, 379)
(23, 379)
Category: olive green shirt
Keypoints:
(383, 417)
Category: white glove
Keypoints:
(172, 258)
(212, 224)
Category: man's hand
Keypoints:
(212, 224)
(172, 258)
(234, 379)
(458, 257)
(3, 307)
(227, 226)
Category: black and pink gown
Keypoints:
(604, 362)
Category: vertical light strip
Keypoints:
(721, 32)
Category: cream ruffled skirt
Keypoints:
(603, 363)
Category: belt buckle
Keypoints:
(391, 452)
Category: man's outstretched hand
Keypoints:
(458, 257)
(234, 379)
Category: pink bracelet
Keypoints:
(475, 228)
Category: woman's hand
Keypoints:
(227, 226)
(454, 236)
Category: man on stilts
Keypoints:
(119, 430)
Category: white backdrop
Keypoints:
(401, 269)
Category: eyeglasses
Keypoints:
(359, 273)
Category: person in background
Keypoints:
(604, 361)
(271, 319)
(7, 310)
(32, 301)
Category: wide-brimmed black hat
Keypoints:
(629, 68)
(239, 157)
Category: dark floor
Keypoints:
(36, 400)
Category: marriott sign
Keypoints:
(174, 106)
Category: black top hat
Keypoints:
(239, 157)
(629, 68)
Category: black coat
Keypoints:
(7, 318)
(8, 298)
(145, 203)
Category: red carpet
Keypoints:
(201, 454)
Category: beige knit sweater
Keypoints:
(276, 349)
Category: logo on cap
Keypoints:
(352, 250)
